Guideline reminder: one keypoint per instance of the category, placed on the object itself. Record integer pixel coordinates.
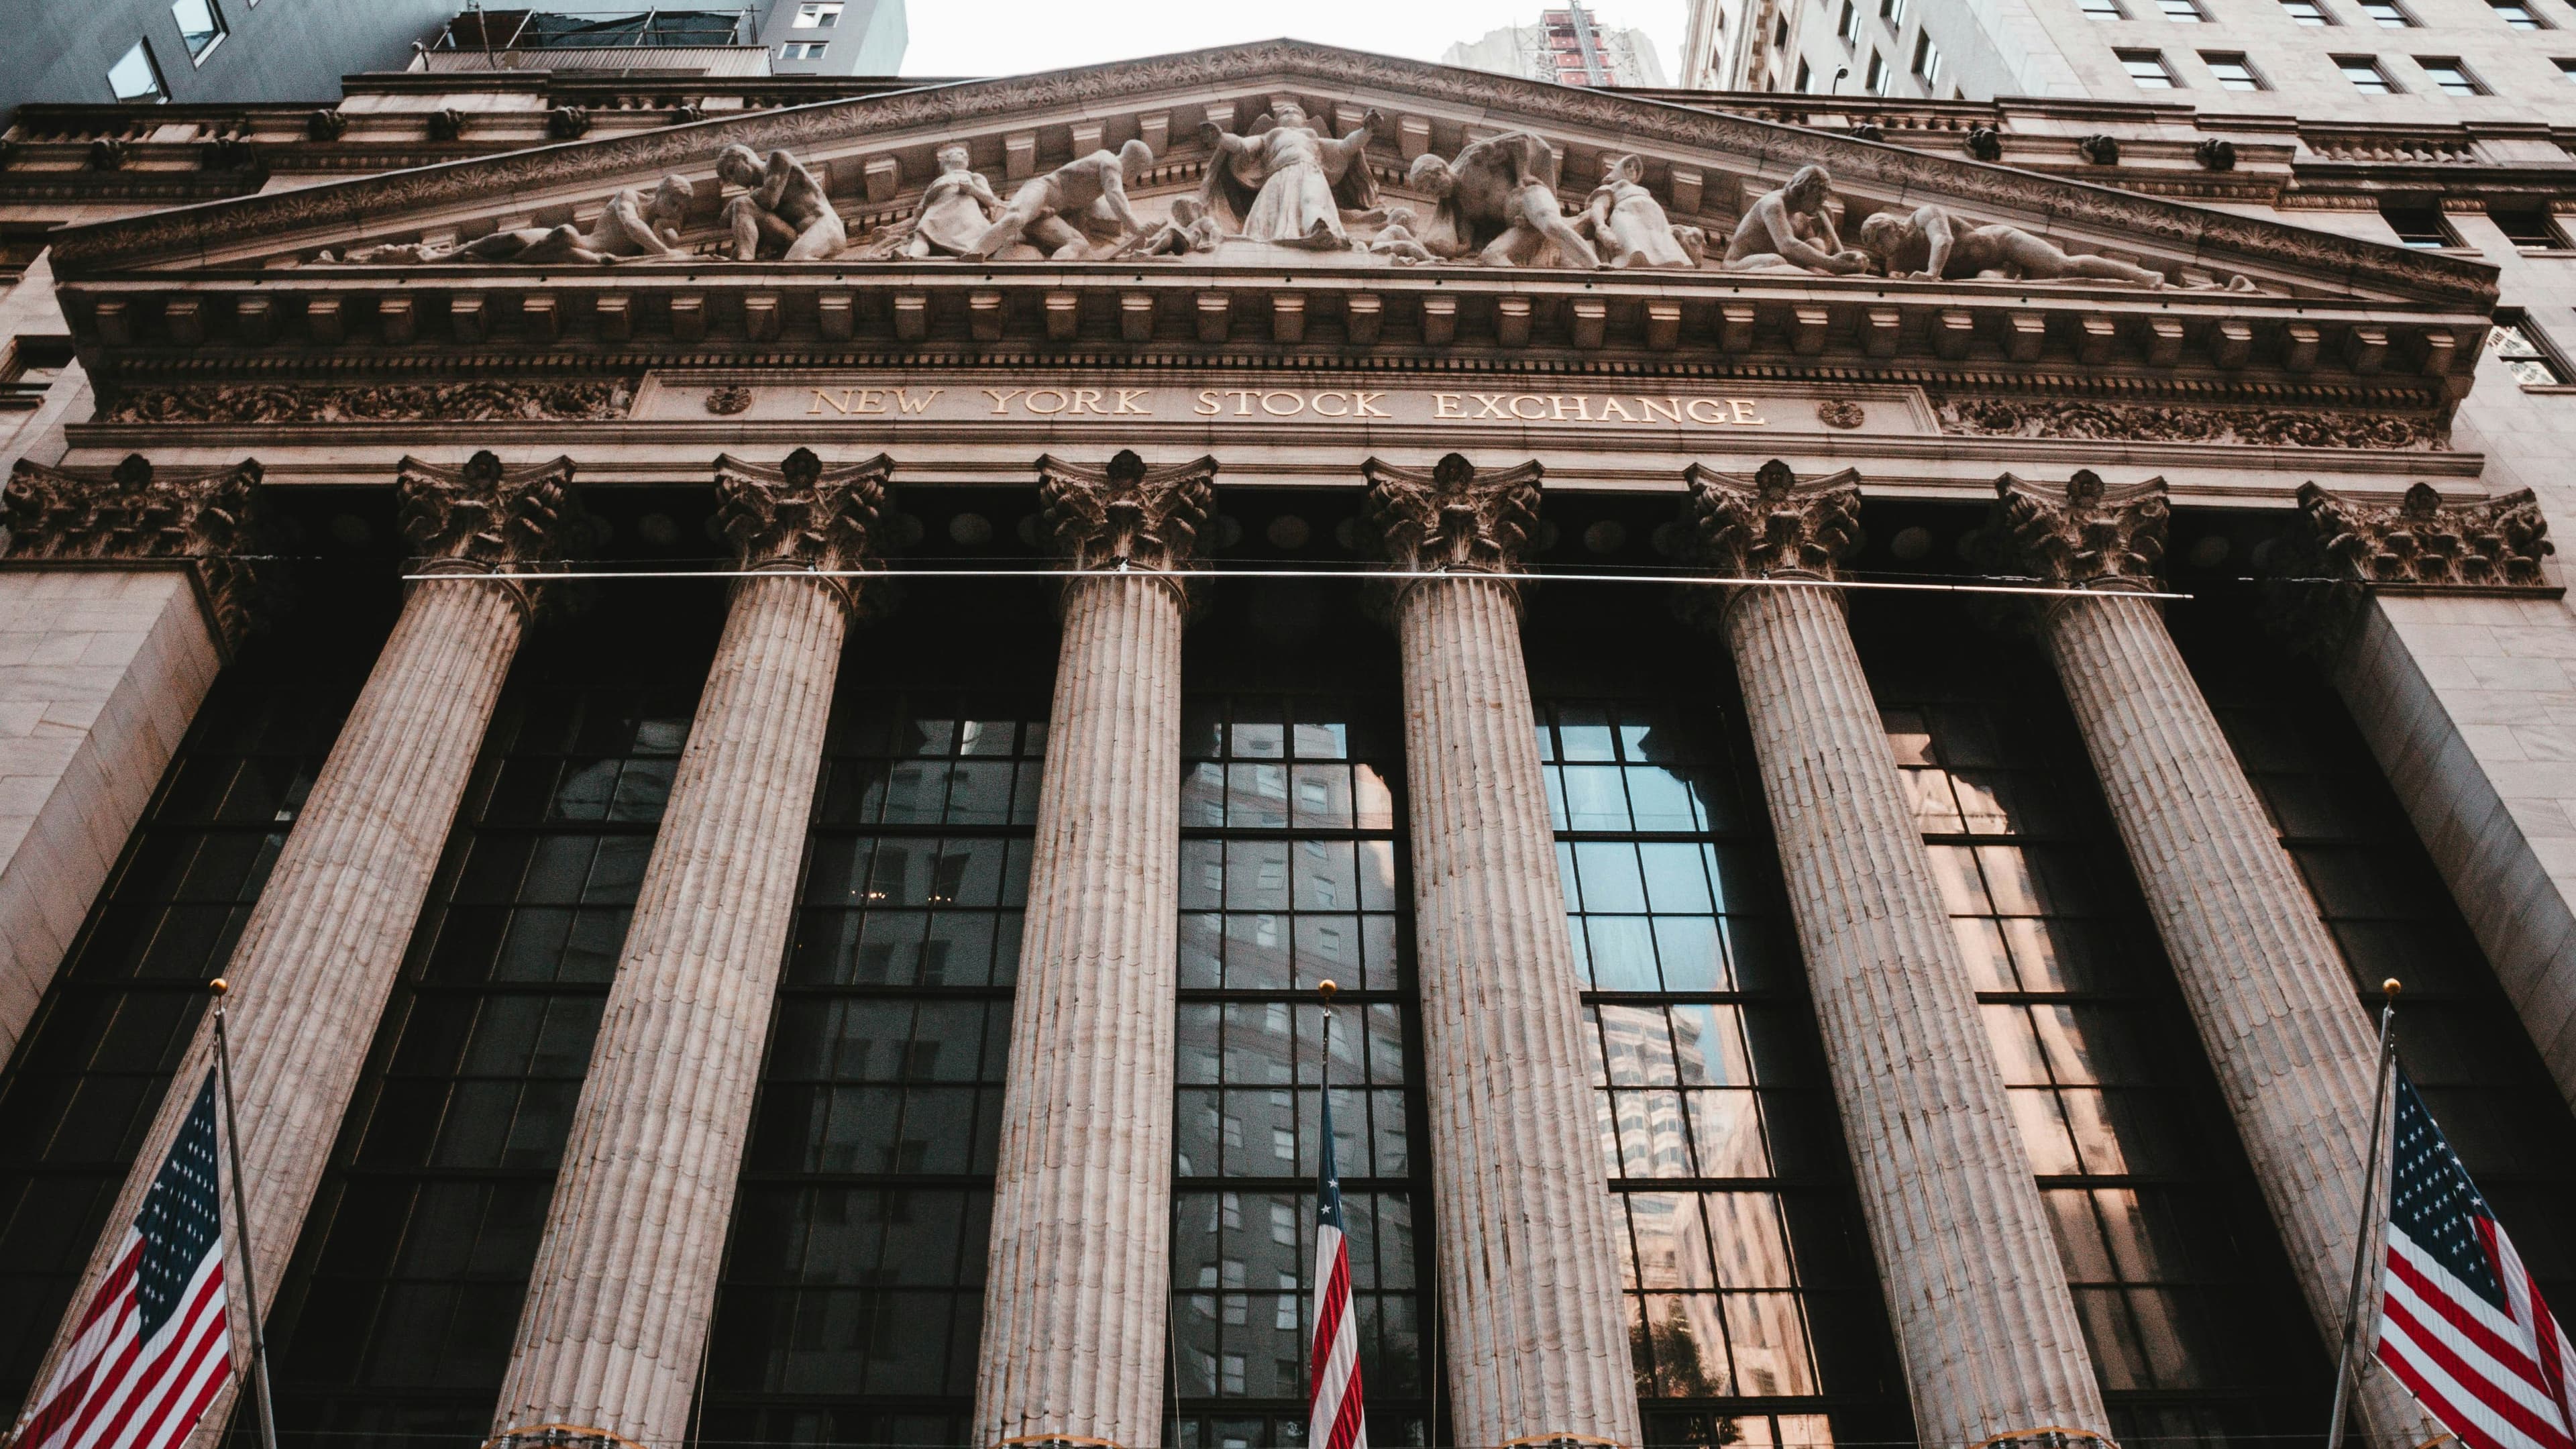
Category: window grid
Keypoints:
(2450, 76)
(1289, 876)
(2187, 12)
(2148, 69)
(1750, 1293)
(2517, 14)
(90, 1071)
(2104, 9)
(2389, 14)
(1879, 74)
(2418, 226)
(817, 17)
(852, 1296)
(2367, 78)
(1927, 60)
(2531, 227)
(396, 1315)
(201, 27)
(802, 50)
(2518, 347)
(2234, 73)
(2311, 13)
(2099, 1060)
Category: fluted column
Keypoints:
(1076, 1291)
(625, 1278)
(1536, 1331)
(1975, 1288)
(321, 949)
(2294, 1052)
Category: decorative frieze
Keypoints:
(1125, 516)
(453, 402)
(488, 518)
(1453, 518)
(2044, 417)
(2090, 535)
(133, 512)
(799, 514)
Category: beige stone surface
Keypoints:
(101, 671)
(1975, 1288)
(1075, 1302)
(1533, 1323)
(2295, 1058)
(625, 1279)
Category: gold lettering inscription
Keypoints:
(1445, 405)
(1257, 403)
(1364, 404)
(1744, 413)
(903, 399)
(1002, 397)
(1128, 397)
(1669, 409)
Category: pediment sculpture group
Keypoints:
(1288, 182)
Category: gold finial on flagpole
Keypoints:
(219, 986)
(2390, 987)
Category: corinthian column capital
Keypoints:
(1750, 528)
(2086, 535)
(800, 515)
(484, 518)
(2422, 542)
(1125, 515)
(207, 518)
(1455, 518)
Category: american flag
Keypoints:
(2461, 1322)
(1336, 1416)
(155, 1343)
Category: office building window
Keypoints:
(2148, 69)
(1927, 61)
(817, 17)
(2518, 14)
(136, 76)
(2367, 78)
(2528, 226)
(1806, 78)
(1848, 29)
(2566, 67)
(419, 1243)
(2104, 10)
(2193, 1319)
(2187, 12)
(2308, 12)
(2233, 72)
(2451, 77)
(802, 50)
(201, 26)
(2418, 225)
(2389, 14)
(1879, 75)
(2518, 346)
(1893, 12)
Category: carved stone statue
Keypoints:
(956, 210)
(1397, 238)
(782, 213)
(1629, 223)
(1931, 244)
(1788, 230)
(1190, 231)
(1496, 203)
(1289, 181)
(631, 225)
(1047, 210)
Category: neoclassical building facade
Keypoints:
(775, 711)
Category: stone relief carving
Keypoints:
(1495, 204)
(1189, 232)
(1125, 515)
(1062, 211)
(456, 402)
(1788, 229)
(799, 514)
(2085, 535)
(1628, 224)
(206, 517)
(1286, 181)
(2425, 542)
(2001, 417)
(1841, 412)
(1929, 244)
(1750, 528)
(956, 209)
(1454, 518)
(728, 400)
(782, 212)
(630, 225)
(488, 518)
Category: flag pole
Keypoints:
(2344, 1371)
(241, 1222)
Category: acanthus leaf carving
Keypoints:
(2087, 534)
(2424, 542)
(487, 518)
(454, 402)
(1126, 515)
(208, 518)
(1770, 523)
(1454, 518)
(2014, 417)
(800, 514)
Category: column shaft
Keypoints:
(625, 1278)
(1076, 1299)
(322, 948)
(1537, 1339)
(2293, 1051)
(1975, 1288)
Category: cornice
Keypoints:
(189, 233)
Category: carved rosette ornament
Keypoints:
(1126, 516)
(800, 515)
(207, 518)
(484, 518)
(2087, 536)
(1453, 519)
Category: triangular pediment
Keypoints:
(874, 155)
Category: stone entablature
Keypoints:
(134, 513)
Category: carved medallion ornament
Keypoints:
(2425, 543)
(2084, 535)
(1125, 516)
(206, 517)
(487, 518)
(454, 402)
(1841, 413)
(1999, 417)
(800, 514)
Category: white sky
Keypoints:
(1007, 37)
